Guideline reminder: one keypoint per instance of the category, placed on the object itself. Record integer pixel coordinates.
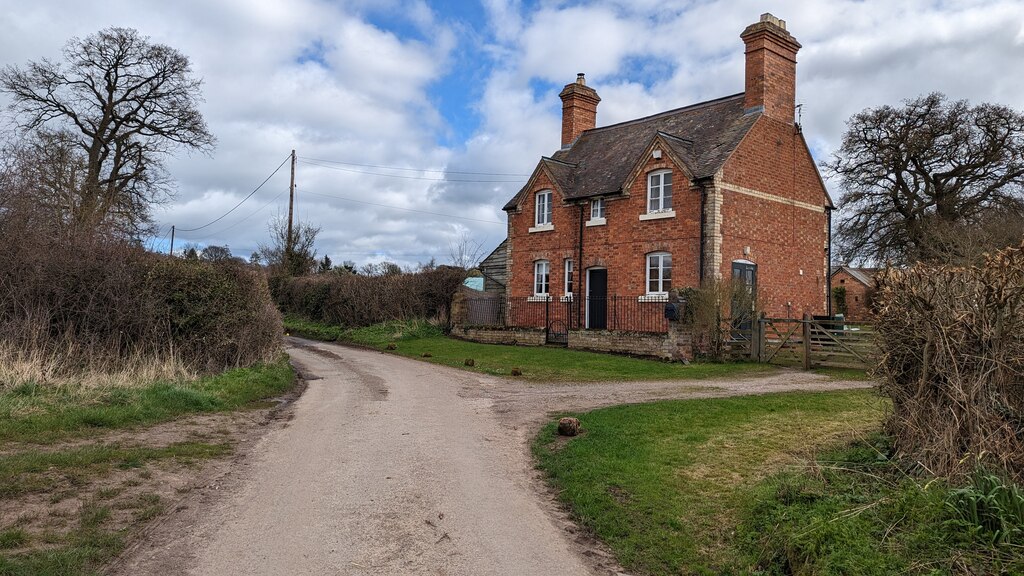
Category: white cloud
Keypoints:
(331, 81)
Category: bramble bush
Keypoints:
(952, 342)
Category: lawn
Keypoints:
(795, 483)
(665, 484)
(424, 341)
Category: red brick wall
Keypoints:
(783, 240)
(554, 246)
(857, 296)
(620, 246)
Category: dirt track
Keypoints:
(393, 466)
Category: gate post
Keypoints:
(757, 338)
(807, 341)
(547, 318)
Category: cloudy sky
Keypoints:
(415, 120)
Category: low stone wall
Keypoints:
(513, 336)
(635, 343)
(675, 345)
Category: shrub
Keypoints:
(356, 300)
(70, 306)
(952, 342)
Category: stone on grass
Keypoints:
(517, 372)
(427, 355)
(470, 362)
(568, 426)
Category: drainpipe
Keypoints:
(828, 267)
(703, 216)
(579, 273)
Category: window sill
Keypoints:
(542, 228)
(596, 222)
(653, 298)
(539, 298)
(658, 215)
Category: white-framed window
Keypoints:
(543, 208)
(541, 277)
(568, 276)
(597, 209)
(659, 191)
(659, 273)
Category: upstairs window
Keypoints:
(543, 211)
(659, 191)
(597, 209)
(568, 276)
(659, 273)
(541, 275)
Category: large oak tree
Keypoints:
(934, 180)
(123, 103)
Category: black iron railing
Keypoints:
(619, 313)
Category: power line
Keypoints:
(413, 169)
(258, 210)
(405, 209)
(410, 177)
(240, 203)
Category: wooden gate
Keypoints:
(815, 342)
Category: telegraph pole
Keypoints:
(172, 240)
(291, 209)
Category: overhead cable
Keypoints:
(221, 217)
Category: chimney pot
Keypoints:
(769, 18)
(581, 79)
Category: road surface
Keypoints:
(395, 466)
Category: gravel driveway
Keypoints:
(394, 466)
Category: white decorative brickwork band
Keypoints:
(772, 197)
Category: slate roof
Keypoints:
(865, 276)
(599, 162)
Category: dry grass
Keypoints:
(63, 370)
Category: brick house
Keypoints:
(720, 189)
(859, 283)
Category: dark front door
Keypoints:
(744, 279)
(597, 299)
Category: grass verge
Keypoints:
(666, 484)
(424, 341)
(40, 414)
(68, 508)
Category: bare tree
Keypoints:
(913, 176)
(465, 252)
(118, 105)
(274, 254)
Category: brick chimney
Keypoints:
(771, 69)
(579, 109)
